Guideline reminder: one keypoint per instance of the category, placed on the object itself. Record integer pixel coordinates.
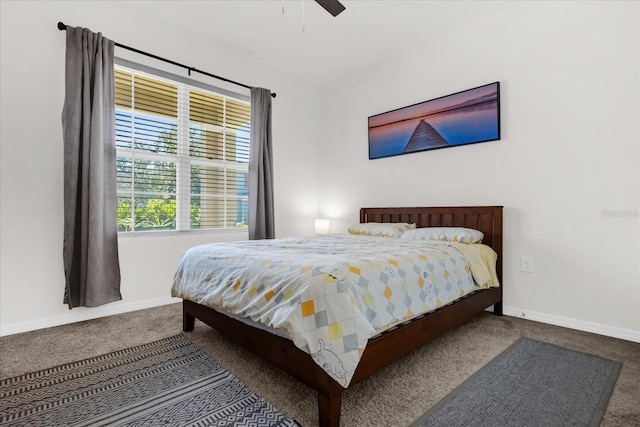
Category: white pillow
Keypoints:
(448, 234)
(383, 229)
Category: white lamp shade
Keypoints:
(322, 226)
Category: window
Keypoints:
(182, 155)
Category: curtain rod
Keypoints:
(63, 27)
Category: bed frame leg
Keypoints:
(497, 309)
(329, 408)
(188, 321)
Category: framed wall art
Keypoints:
(466, 117)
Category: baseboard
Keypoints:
(81, 314)
(580, 325)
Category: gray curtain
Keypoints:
(90, 249)
(261, 222)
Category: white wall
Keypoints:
(32, 88)
(569, 74)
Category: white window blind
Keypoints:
(182, 155)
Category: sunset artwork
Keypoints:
(465, 117)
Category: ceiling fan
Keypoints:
(334, 7)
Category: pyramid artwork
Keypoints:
(424, 137)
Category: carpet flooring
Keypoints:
(169, 382)
(396, 396)
(530, 384)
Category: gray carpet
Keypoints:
(394, 397)
(531, 384)
(169, 382)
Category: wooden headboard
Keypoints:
(487, 219)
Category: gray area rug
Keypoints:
(170, 382)
(530, 384)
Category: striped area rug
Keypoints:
(170, 382)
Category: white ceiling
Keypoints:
(309, 43)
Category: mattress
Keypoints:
(329, 294)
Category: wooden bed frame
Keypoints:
(384, 348)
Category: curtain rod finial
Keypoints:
(61, 26)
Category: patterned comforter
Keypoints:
(330, 294)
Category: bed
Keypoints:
(383, 347)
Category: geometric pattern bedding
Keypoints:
(329, 294)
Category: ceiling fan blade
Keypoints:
(334, 7)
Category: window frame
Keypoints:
(182, 160)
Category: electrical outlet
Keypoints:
(526, 264)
